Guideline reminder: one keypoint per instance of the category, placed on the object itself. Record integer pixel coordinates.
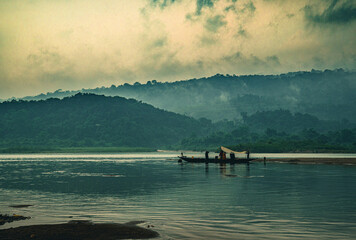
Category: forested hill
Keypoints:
(328, 95)
(91, 120)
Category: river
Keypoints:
(183, 201)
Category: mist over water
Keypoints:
(182, 201)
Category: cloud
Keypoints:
(162, 3)
(46, 45)
(237, 61)
(202, 4)
(273, 59)
(338, 12)
(214, 23)
(48, 61)
(160, 42)
(250, 6)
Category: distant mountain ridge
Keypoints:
(91, 120)
(101, 122)
(329, 94)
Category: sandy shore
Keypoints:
(336, 161)
(79, 230)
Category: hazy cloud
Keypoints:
(203, 3)
(47, 45)
(273, 59)
(162, 3)
(214, 23)
(337, 12)
(250, 6)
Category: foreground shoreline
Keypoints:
(332, 161)
(79, 230)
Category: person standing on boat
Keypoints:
(206, 155)
(221, 154)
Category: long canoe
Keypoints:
(216, 160)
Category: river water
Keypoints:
(182, 201)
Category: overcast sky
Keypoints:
(73, 44)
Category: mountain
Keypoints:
(97, 121)
(328, 95)
(91, 120)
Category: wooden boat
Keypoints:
(216, 160)
(222, 159)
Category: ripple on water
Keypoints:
(277, 201)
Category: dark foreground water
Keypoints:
(183, 201)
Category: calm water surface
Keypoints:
(183, 201)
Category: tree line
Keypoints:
(96, 121)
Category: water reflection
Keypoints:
(224, 170)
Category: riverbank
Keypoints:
(76, 150)
(335, 161)
(79, 230)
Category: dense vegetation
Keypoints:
(295, 112)
(307, 140)
(328, 95)
(87, 123)
(278, 131)
(285, 121)
(87, 120)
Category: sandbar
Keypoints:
(335, 161)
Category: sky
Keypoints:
(74, 44)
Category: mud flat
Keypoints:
(79, 230)
(11, 218)
(336, 161)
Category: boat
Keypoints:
(222, 160)
(215, 160)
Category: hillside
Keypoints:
(88, 122)
(328, 95)
(278, 131)
(91, 120)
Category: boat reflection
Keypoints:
(225, 170)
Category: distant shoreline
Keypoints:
(76, 150)
(331, 161)
(24, 150)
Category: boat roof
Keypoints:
(231, 151)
